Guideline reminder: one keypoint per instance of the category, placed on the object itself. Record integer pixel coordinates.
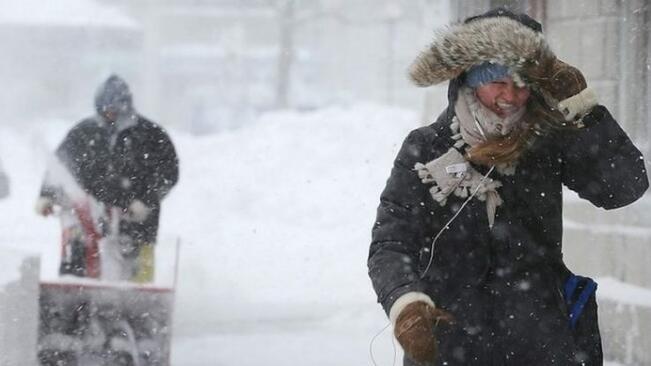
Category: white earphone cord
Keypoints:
(392, 344)
(447, 225)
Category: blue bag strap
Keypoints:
(577, 309)
(570, 287)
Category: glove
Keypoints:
(44, 206)
(563, 87)
(562, 81)
(137, 211)
(414, 329)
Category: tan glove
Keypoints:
(562, 81)
(415, 330)
(563, 86)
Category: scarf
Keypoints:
(450, 173)
(478, 122)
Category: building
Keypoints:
(58, 52)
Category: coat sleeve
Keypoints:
(86, 165)
(399, 233)
(163, 168)
(601, 164)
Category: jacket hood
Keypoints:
(497, 36)
(113, 95)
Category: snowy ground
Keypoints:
(287, 209)
(274, 221)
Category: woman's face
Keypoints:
(502, 96)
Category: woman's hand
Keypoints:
(415, 330)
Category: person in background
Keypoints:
(125, 163)
(466, 255)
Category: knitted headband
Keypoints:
(485, 73)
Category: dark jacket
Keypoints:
(118, 166)
(504, 286)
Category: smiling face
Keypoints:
(502, 96)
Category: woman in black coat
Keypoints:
(466, 256)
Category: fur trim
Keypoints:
(578, 105)
(405, 300)
(496, 39)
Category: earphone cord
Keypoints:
(431, 257)
(447, 225)
(392, 344)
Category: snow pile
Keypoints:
(276, 217)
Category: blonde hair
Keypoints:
(537, 120)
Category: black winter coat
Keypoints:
(116, 167)
(503, 285)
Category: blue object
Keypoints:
(485, 73)
(576, 307)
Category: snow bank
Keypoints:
(276, 218)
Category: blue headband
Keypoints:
(485, 73)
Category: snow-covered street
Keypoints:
(337, 340)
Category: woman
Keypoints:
(466, 254)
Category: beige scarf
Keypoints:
(477, 122)
(450, 173)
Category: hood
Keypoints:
(114, 95)
(497, 36)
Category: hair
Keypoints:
(538, 120)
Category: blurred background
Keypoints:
(286, 115)
(211, 65)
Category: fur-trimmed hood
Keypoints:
(498, 36)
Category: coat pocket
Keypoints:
(577, 292)
(580, 299)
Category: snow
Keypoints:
(629, 230)
(343, 341)
(10, 262)
(87, 13)
(274, 221)
(200, 50)
(622, 292)
(283, 211)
